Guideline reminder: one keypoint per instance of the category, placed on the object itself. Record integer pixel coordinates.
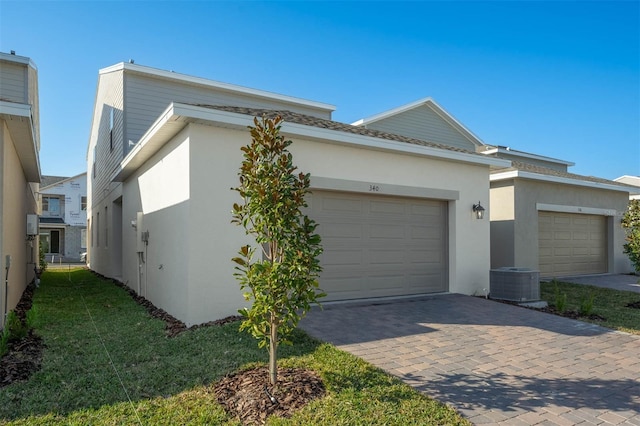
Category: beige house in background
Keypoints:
(542, 216)
(395, 211)
(19, 177)
(633, 181)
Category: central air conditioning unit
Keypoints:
(515, 284)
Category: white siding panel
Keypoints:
(423, 123)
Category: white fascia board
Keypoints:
(217, 84)
(434, 107)
(18, 60)
(495, 177)
(515, 153)
(369, 142)
(177, 116)
(18, 118)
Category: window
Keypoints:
(83, 203)
(97, 229)
(95, 150)
(50, 206)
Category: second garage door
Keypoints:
(571, 244)
(380, 246)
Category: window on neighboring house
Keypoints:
(50, 206)
(83, 203)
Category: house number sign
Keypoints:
(374, 188)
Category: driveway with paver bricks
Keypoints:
(495, 363)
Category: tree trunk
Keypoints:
(273, 352)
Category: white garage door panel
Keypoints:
(380, 246)
(571, 244)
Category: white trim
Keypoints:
(515, 153)
(429, 102)
(216, 84)
(376, 188)
(575, 209)
(495, 177)
(18, 60)
(15, 109)
(177, 116)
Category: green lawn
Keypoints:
(608, 303)
(108, 362)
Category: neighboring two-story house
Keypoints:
(63, 218)
(19, 177)
(395, 212)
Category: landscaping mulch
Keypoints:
(634, 305)
(250, 397)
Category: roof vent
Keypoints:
(13, 52)
(131, 61)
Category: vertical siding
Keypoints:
(423, 123)
(13, 84)
(148, 96)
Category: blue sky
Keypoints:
(560, 79)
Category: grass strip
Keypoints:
(168, 380)
(607, 303)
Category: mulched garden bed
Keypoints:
(249, 396)
(552, 310)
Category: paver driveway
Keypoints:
(493, 362)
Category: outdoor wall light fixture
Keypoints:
(478, 210)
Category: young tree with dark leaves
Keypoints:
(280, 275)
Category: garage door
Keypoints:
(571, 244)
(380, 246)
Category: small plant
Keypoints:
(560, 298)
(42, 258)
(32, 318)
(16, 329)
(4, 342)
(586, 304)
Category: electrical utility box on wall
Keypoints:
(140, 241)
(32, 225)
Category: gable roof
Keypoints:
(431, 104)
(177, 116)
(529, 171)
(53, 180)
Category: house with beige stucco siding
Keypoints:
(542, 216)
(19, 177)
(394, 211)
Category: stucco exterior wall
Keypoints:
(215, 159)
(502, 224)
(160, 190)
(18, 199)
(530, 196)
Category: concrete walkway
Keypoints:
(623, 282)
(494, 363)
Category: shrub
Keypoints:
(631, 224)
(560, 298)
(586, 305)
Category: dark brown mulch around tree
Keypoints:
(23, 359)
(552, 310)
(635, 305)
(249, 396)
